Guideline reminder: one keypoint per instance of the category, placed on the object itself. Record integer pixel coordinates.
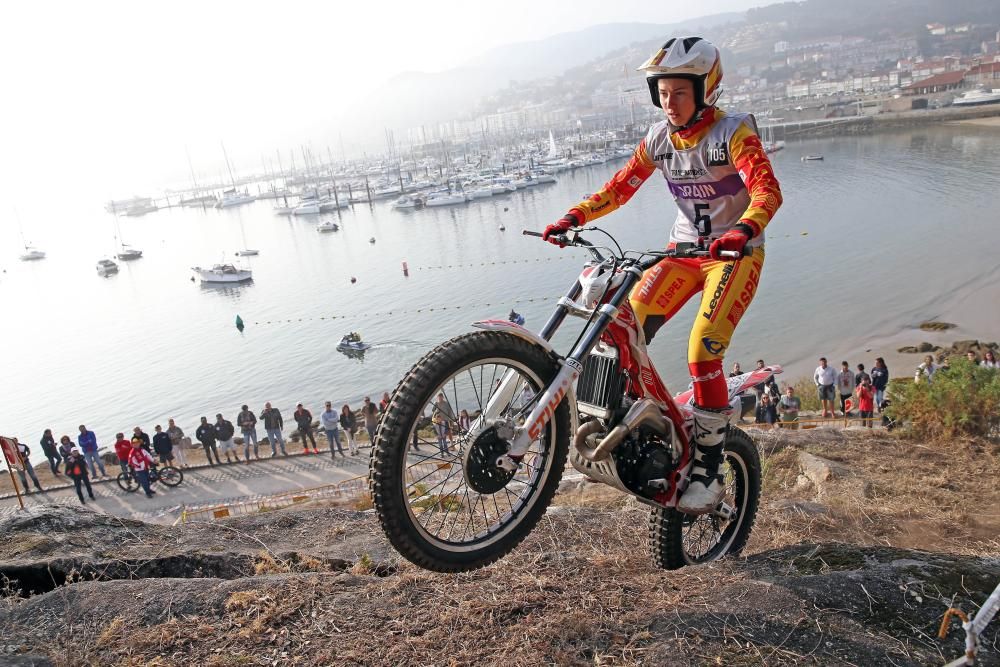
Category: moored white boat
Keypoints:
(307, 207)
(479, 193)
(283, 210)
(977, 97)
(233, 198)
(141, 209)
(128, 253)
(105, 267)
(31, 254)
(222, 273)
(408, 201)
(444, 199)
(248, 252)
(327, 226)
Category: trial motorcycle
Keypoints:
(475, 439)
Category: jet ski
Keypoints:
(352, 341)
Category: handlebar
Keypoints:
(680, 250)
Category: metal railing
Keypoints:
(349, 489)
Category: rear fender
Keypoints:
(530, 336)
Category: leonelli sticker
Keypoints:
(727, 273)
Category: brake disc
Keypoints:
(480, 466)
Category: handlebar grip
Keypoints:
(528, 232)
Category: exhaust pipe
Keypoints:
(643, 412)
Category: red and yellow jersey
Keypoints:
(717, 172)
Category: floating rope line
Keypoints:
(499, 263)
(394, 313)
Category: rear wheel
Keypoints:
(440, 498)
(677, 539)
(170, 475)
(128, 482)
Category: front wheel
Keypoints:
(128, 482)
(677, 539)
(439, 496)
(170, 475)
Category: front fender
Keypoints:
(517, 330)
(530, 336)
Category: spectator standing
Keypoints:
(207, 436)
(973, 359)
(273, 424)
(25, 469)
(51, 451)
(139, 460)
(147, 444)
(926, 370)
(845, 385)
(766, 413)
(370, 414)
(163, 447)
(350, 425)
(866, 401)
(247, 422)
(442, 414)
(990, 360)
(736, 370)
(760, 388)
(861, 375)
(826, 380)
(464, 422)
(123, 448)
(66, 447)
(177, 442)
(329, 419)
(225, 431)
(88, 445)
(304, 422)
(384, 403)
(76, 469)
(880, 380)
(789, 407)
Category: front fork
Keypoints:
(521, 436)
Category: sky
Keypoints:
(102, 98)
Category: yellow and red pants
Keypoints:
(727, 289)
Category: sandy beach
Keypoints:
(993, 121)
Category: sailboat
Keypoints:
(125, 251)
(246, 252)
(232, 197)
(30, 254)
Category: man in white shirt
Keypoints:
(826, 380)
(845, 385)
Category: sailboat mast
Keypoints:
(228, 166)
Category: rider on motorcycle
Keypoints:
(726, 193)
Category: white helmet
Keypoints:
(690, 58)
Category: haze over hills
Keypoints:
(412, 98)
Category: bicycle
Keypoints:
(168, 475)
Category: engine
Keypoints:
(644, 462)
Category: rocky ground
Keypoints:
(862, 542)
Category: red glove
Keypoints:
(735, 239)
(563, 225)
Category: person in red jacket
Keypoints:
(726, 193)
(866, 401)
(122, 449)
(140, 461)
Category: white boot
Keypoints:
(705, 489)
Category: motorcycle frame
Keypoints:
(615, 323)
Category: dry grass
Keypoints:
(581, 589)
